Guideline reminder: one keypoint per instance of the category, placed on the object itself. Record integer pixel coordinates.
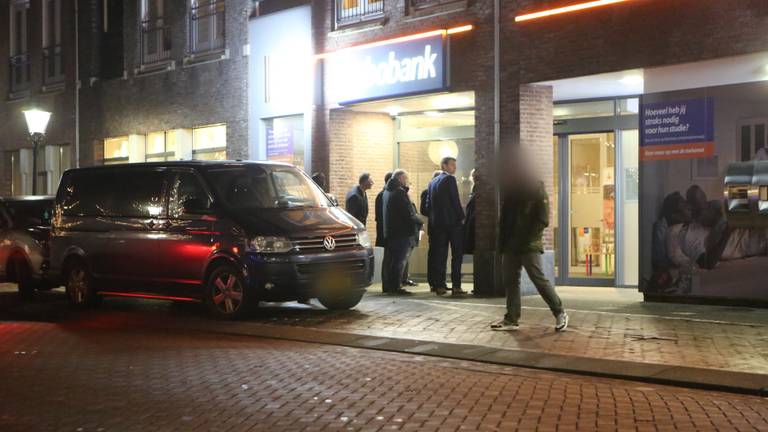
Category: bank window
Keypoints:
(353, 11)
(53, 71)
(161, 146)
(19, 37)
(285, 139)
(155, 34)
(209, 143)
(116, 150)
(207, 26)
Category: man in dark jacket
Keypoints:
(524, 216)
(357, 198)
(424, 210)
(400, 224)
(446, 218)
(380, 240)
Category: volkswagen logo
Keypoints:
(329, 243)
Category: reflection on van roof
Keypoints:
(184, 163)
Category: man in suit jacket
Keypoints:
(380, 240)
(424, 210)
(357, 198)
(446, 218)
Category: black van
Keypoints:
(229, 234)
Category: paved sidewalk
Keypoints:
(74, 377)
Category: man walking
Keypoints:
(524, 216)
(357, 198)
(380, 240)
(446, 218)
(400, 224)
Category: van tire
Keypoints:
(226, 294)
(79, 285)
(344, 301)
(23, 273)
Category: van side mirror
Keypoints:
(334, 201)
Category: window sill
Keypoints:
(359, 26)
(206, 57)
(18, 95)
(53, 87)
(155, 68)
(416, 14)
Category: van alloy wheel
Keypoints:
(80, 287)
(226, 294)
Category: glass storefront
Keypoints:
(202, 143)
(209, 143)
(285, 139)
(596, 193)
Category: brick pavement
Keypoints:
(98, 375)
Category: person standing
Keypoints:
(357, 198)
(424, 210)
(380, 240)
(469, 223)
(406, 279)
(446, 218)
(524, 216)
(400, 224)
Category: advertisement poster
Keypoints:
(279, 143)
(702, 233)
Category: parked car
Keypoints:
(25, 226)
(229, 234)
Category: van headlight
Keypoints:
(268, 244)
(364, 239)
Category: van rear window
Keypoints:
(128, 193)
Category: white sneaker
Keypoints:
(504, 326)
(562, 322)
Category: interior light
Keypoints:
(393, 110)
(567, 9)
(452, 101)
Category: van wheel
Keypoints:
(24, 279)
(343, 301)
(79, 285)
(226, 294)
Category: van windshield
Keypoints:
(266, 187)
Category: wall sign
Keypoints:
(677, 130)
(385, 71)
(280, 144)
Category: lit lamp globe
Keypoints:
(37, 122)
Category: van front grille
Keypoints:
(331, 267)
(316, 244)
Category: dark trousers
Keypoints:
(399, 249)
(439, 241)
(386, 269)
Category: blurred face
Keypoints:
(404, 182)
(366, 185)
(450, 167)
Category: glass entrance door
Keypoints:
(586, 227)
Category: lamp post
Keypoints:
(37, 122)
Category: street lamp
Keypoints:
(37, 122)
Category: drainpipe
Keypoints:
(77, 85)
(497, 131)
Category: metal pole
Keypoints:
(77, 85)
(497, 135)
(35, 145)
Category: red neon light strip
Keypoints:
(567, 9)
(148, 296)
(416, 36)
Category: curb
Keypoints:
(681, 376)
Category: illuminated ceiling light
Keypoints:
(567, 9)
(632, 80)
(452, 101)
(433, 114)
(393, 110)
(407, 38)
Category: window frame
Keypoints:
(154, 32)
(366, 12)
(213, 44)
(18, 44)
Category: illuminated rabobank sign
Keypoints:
(385, 71)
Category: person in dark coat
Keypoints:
(406, 279)
(380, 240)
(424, 210)
(469, 223)
(319, 179)
(446, 225)
(357, 198)
(400, 224)
(524, 217)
